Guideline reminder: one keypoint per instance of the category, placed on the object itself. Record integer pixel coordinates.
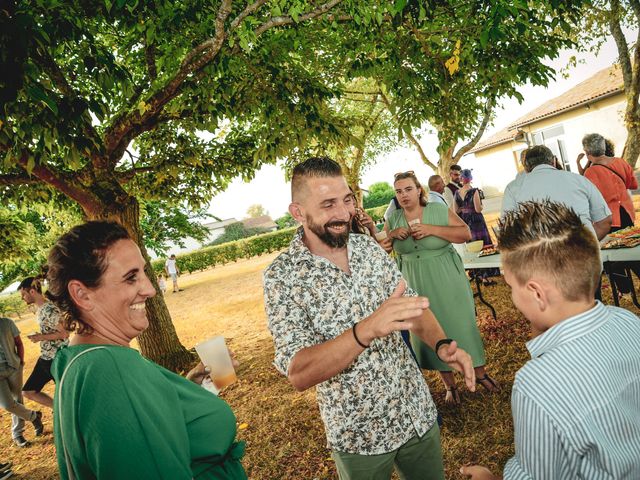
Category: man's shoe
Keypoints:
(5, 466)
(37, 424)
(21, 442)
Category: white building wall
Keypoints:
(495, 167)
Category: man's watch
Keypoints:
(444, 341)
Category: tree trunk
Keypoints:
(632, 145)
(159, 342)
(444, 163)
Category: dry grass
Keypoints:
(284, 434)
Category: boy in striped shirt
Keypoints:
(576, 403)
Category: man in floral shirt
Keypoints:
(52, 337)
(336, 304)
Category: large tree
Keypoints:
(107, 103)
(444, 71)
(611, 18)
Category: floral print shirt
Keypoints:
(381, 400)
(49, 317)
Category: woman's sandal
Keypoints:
(487, 380)
(453, 396)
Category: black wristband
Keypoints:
(444, 341)
(356, 337)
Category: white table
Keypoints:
(471, 262)
(608, 256)
(622, 256)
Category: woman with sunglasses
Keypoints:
(422, 234)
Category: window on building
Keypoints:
(553, 138)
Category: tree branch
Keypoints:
(410, 136)
(150, 58)
(621, 43)
(48, 64)
(128, 175)
(488, 108)
(17, 179)
(287, 19)
(245, 13)
(120, 131)
(64, 183)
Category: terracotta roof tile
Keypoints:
(606, 82)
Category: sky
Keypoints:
(271, 191)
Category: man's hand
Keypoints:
(35, 337)
(478, 472)
(386, 244)
(396, 313)
(460, 361)
(420, 230)
(400, 233)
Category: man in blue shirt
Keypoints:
(436, 190)
(576, 403)
(543, 181)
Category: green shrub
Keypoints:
(12, 304)
(377, 213)
(230, 252)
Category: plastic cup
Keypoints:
(215, 355)
(380, 236)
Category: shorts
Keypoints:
(174, 276)
(40, 376)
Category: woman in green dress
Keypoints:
(117, 414)
(422, 234)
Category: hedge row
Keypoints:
(12, 305)
(377, 213)
(231, 251)
(245, 248)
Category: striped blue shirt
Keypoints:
(576, 403)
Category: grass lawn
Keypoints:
(282, 428)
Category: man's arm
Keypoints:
(603, 227)
(318, 363)
(19, 348)
(599, 211)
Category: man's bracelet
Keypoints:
(355, 335)
(444, 341)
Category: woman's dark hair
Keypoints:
(79, 255)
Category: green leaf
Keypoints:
(484, 38)
(39, 94)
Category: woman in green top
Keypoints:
(422, 234)
(116, 414)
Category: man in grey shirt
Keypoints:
(543, 181)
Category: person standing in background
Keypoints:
(52, 337)
(453, 186)
(11, 367)
(172, 269)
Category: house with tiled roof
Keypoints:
(595, 105)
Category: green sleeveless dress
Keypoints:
(433, 268)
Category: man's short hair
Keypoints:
(538, 155)
(313, 167)
(455, 167)
(433, 179)
(594, 144)
(549, 239)
(31, 283)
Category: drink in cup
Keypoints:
(215, 355)
(380, 236)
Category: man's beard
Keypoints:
(330, 239)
